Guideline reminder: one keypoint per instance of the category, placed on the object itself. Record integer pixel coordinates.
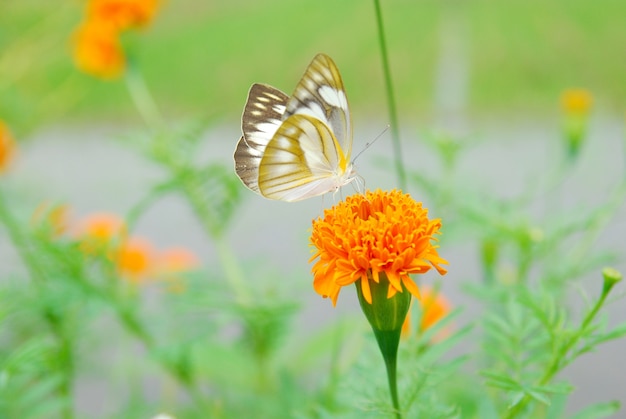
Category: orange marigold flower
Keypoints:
(98, 231)
(135, 259)
(7, 147)
(373, 233)
(173, 263)
(102, 226)
(576, 101)
(175, 260)
(124, 14)
(434, 307)
(97, 49)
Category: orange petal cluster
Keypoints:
(124, 14)
(434, 308)
(97, 47)
(135, 259)
(99, 230)
(98, 51)
(380, 231)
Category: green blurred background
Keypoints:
(200, 57)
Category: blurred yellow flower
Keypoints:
(369, 234)
(97, 49)
(124, 14)
(98, 231)
(135, 259)
(51, 219)
(7, 147)
(576, 101)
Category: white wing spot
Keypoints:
(333, 97)
(280, 109)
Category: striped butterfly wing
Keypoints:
(261, 118)
(297, 147)
(301, 161)
(310, 153)
(321, 94)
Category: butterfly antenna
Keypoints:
(367, 145)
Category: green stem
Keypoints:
(391, 102)
(392, 368)
(141, 97)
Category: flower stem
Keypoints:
(391, 101)
(386, 316)
(392, 368)
(141, 97)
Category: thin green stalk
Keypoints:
(560, 359)
(141, 97)
(390, 365)
(391, 101)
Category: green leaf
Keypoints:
(598, 410)
(499, 380)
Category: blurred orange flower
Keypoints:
(173, 263)
(124, 14)
(576, 101)
(135, 259)
(97, 49)
(99, 230)
(7, 147)
(434, 307)
(175, 260)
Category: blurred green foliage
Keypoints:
(201, 57)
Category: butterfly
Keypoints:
(297, 147)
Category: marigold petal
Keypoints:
(411, 286)
(365, 289)
(372, 233)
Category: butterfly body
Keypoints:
(299, 146)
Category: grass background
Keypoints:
(199, 58)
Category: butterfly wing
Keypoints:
(262, 116)
(321, 94)
(297, 147)
(302, 160)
